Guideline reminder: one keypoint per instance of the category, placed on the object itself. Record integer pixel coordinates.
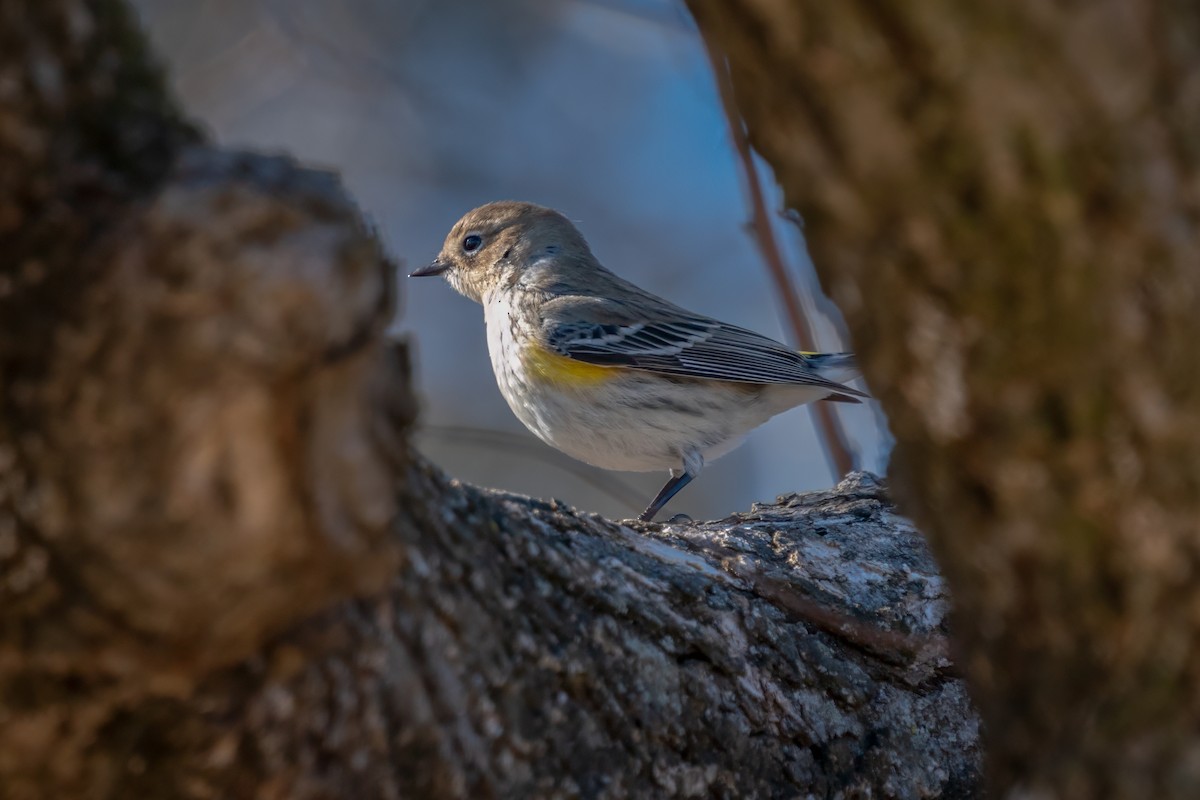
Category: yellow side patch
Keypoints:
(565, 371)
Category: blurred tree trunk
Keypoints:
(1005, 200)
(223, 572)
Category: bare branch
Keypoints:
(830, 431)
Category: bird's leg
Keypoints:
(692, 463)
(672, 487)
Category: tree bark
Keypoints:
(1005, 201)
(224, 573)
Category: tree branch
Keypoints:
(225, 573)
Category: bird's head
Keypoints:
(495, 245)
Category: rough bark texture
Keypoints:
(1005, 200)
(224, 574)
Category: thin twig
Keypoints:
(829, 428)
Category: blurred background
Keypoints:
(604, 109)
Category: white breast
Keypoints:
(505, 353)
(584, 427)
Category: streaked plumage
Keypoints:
(663, 338)
(607, 372)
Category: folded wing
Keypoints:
(604, 333)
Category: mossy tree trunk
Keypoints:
(1004, 198)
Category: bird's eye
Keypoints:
(472, 242)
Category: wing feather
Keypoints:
(596, 331)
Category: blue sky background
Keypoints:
(604, 110)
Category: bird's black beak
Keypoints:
(435, 267)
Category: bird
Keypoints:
(609, 373)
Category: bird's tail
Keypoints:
(837, 367)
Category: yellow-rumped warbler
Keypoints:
(609, 373)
